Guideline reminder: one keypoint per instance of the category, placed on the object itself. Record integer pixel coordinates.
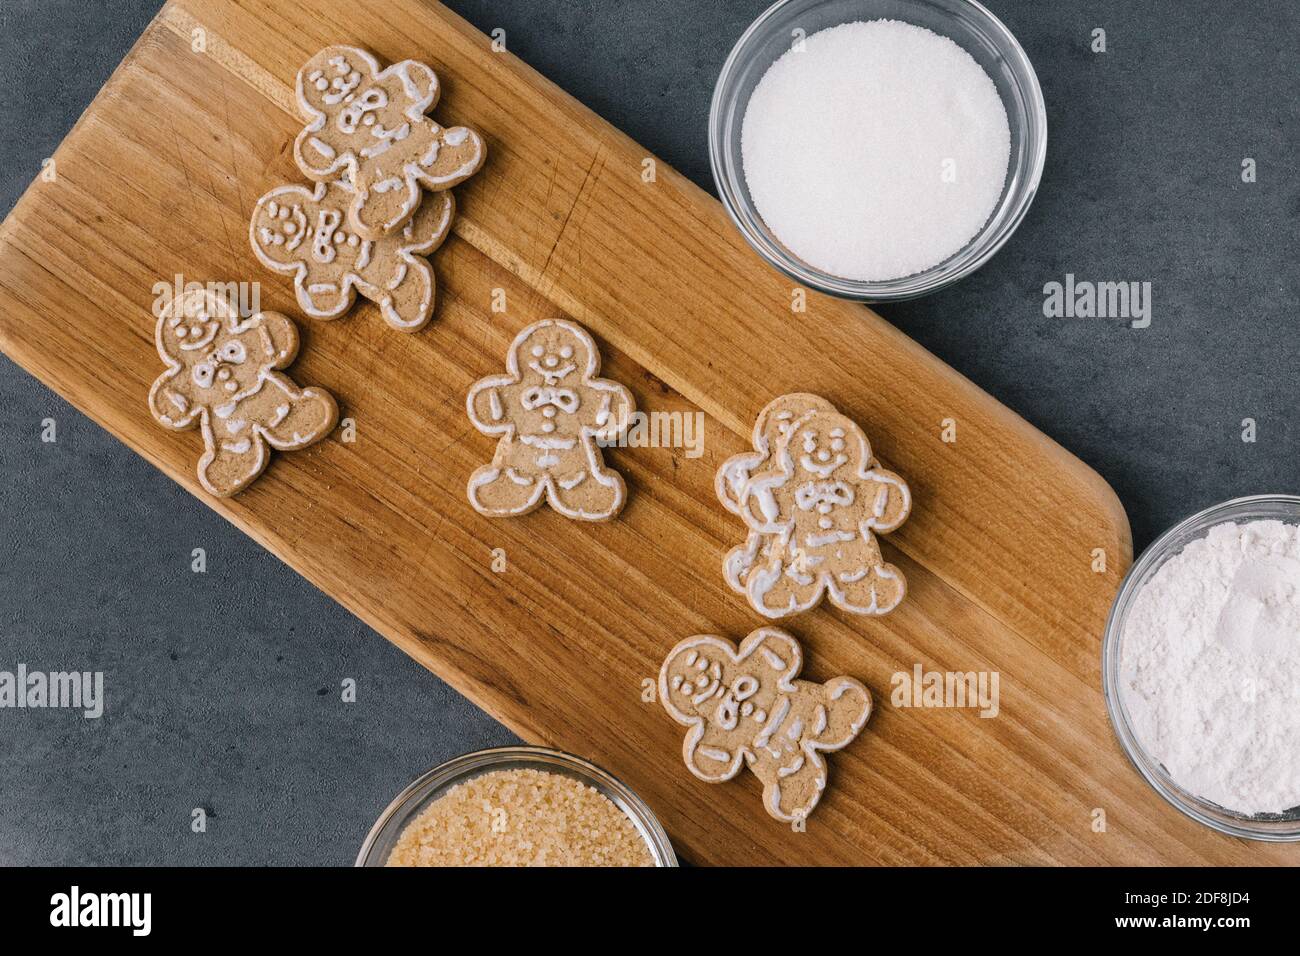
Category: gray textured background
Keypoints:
(222, 699)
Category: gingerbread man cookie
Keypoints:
(744, 707)
(814, 498)
(550, 410)
(369, 126)
(222, 376)
(301, 232)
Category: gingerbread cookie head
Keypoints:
(551, 412)
(770, 428)
(832, 466)
(368, 126)
(744, 707)
(304, 233)
(222, 376)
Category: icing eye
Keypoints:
(838, 444)
(233, 352)
(823, 455)
(322, 84)
(353, 240)
(290, 228)
(283, 213)
(550, 361)
(223, 373)
(537, 351)
(202, 375)
(273, 208)
(745, 686)
(688, 688)
(338, 238)
(183, 331)
(567, 351)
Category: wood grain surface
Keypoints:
(160, 177)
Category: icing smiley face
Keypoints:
(744, 707)
(281, 228)
(304, 233)
(827, 450)
(698, 684)
(222, 376)
(549, 411)
(368, 126)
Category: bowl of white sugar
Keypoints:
(1201, 667)
(877, 150)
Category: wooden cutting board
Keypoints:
(160, 176)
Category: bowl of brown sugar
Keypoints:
(517, 806)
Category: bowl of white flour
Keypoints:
(877, 150)
(1201, 667)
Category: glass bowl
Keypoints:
(408, 804)
(1271, 827)
(972, 28)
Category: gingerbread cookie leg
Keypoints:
(586, 489)
(504, 492)
(795, 792)
(876, 590)
(781, 587)
(298, 417)
(229, 464)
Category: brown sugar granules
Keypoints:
(521, 818)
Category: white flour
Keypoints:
(1210, 667)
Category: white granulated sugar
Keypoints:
(877, 151)
(1210, 667)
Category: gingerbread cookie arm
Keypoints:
(847, 708)
(420, 85)
(777, 651)
(759, 508)
(490, 404)
(613, 412)
(462, 155)
(890, 497)
(170, 406)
